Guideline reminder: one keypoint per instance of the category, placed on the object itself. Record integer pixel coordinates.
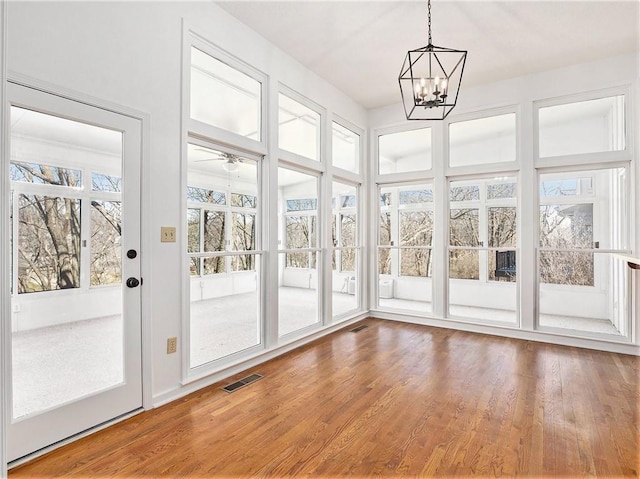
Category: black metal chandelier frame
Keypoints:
(428, 77)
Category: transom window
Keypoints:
(224, 97)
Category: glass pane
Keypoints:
(106, 248)
(244, 201)
(298, 296)
(297, 193)
(348, 230)
(403, 284)
(483, 141)
(463, 264)
(299, 128)
(590, 126)
(584, 291)
(202, 195)
(45, 175)
(345, 293)
(502, 226)
(567, 267)
(415, 262)
(68, 344)
(214, 265)
(404, 151)
(501, 191)
(566, 226)
(384, 260)
(302, 204)
(566, 187)
(348, 201)
(214, 234)
(223, 97)
(298, 230)
(48, 243)
(348, 260)
(418, 196)
(225, 314)
(345, 148)
(100, 182)
(243, 232)
(384, 236)
(502, 266)
(193, 230)
(194, 266)
(416, 228)
(464, 227)
(464, 193)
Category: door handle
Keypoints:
(132, 282)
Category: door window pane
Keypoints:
(483, 141)
(65, 344)
(404, 151)
(224, 97)
(345, 148)
(299, 128)
(590, 126)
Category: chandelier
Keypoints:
(430, 80)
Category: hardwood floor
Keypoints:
(391, 400)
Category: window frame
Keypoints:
(84, 194)
(320, 162)
(352, 175)
(196, 128)
(585, 159)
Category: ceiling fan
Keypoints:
(231, 161)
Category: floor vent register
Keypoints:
(242, 383)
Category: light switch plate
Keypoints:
(168, 234)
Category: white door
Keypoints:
(75, 342)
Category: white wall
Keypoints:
(39, 310)
(129, 53)
(224, 284)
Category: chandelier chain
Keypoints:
(429, 19)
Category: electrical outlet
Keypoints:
(168, 234)
(172, 345)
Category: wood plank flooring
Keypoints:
(391, 400)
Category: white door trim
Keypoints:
(4, 240)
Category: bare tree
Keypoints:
(49, 231)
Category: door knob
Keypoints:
(132, 282)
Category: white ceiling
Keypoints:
(359, 46)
